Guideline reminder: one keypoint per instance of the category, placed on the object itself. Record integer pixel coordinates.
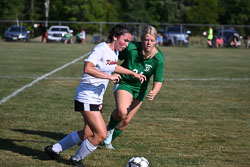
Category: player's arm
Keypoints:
(89, 68)
(156, 88)
(158, 79)
(121, 70)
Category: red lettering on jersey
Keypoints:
(109, 62)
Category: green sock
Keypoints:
(116, 133)
(113, 123)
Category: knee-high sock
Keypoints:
(85, 149)
(116, 133)
(67, 142)
(112, 123)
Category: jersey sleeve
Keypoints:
(158, 76)
(95, 56)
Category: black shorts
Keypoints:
(87, 107)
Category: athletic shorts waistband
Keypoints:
(79, 106)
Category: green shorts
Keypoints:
(137, 94)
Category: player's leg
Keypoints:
(135, 106)
(97, 126)
(209, 43)
(85, 132)
(123, 104)
(68, 141)
(96, 123)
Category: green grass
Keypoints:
(200, 118)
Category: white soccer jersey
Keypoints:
(92, 89)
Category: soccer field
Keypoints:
(200, 118)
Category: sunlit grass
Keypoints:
(194, 121)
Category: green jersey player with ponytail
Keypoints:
(143, 58)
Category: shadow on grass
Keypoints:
(9, 144)
(12, 145)
(53, 135)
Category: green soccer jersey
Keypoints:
(134, 61)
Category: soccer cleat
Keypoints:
(109, 137)
(76, 163)
(52, 154)
(109, 146)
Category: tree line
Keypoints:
(158, 11)
(232, 12)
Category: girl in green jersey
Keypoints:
(144, 58)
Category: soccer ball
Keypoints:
(138, 162)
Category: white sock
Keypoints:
(85, 149)
(67, 142)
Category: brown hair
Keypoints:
(117, 31)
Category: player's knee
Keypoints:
(122, 115)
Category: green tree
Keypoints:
(57, 10)
(84, 10)
(12, 10)
(167, 11)
(234, 12)
(203, 12)
(157, 11)
(135, 11)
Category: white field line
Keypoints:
(35, 77)
(41, 78)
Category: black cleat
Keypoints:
(76, 163)
(52, 154)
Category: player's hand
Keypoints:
(151, 95)
(115, 78)
(140, 77)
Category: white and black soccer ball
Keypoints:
(138, 162)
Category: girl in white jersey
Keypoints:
(98, 69)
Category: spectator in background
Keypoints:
(235, 41)
(248, 42)
(133, 37)
(209, 37)
(219, 42)
(80, 37)
(68, 37)
(159, 39)
(44, 33)
(83, 36)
